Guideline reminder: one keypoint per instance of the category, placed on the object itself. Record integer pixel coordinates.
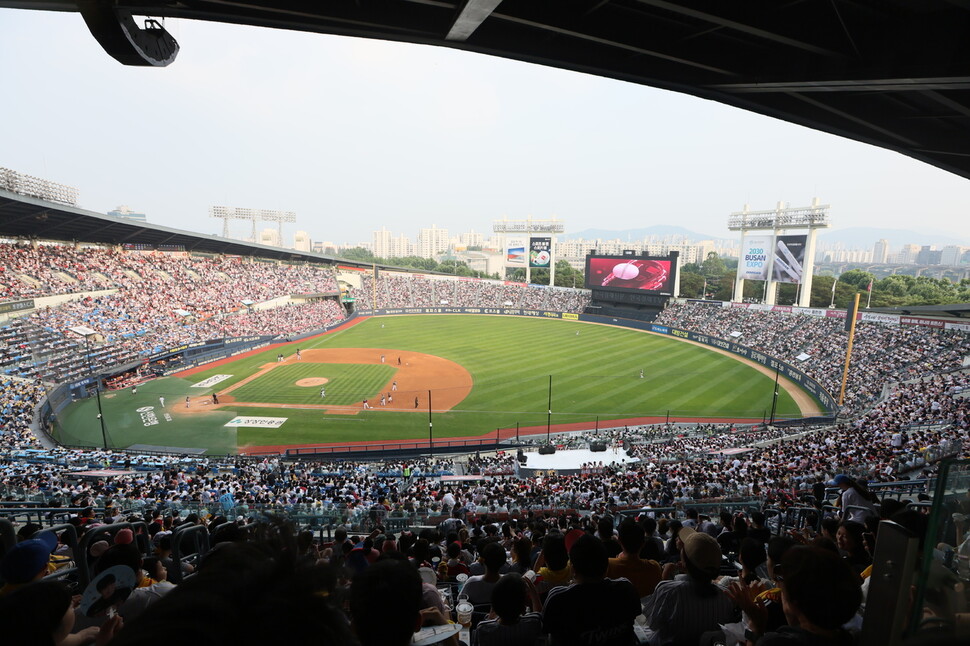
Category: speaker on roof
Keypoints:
(120, 36)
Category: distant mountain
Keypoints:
(658, 230)
(866, 237)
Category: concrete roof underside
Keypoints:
(892, 73)
(31, 218)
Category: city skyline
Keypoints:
(364, 133)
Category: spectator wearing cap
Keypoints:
(27, 561)
(856, 496)
(644, 574)
(680, 611)
(595, 609)
(97, 549)
(124, 537)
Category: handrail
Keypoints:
(107, 533)
(195, 535)
(8, 537)
(37, 514)
(66, 534)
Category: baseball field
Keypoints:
(465, 375)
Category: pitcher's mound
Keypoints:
(309, 382)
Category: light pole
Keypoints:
(549, 414)
(774, 396)
(97, 387)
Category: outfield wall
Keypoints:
(807, 383)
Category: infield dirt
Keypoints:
(416, 375)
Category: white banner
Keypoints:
(211, 381)
(877, 317)
(754, 257)
(258, 422)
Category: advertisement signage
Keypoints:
(516, 252)
(754, 257)
(631, 274)
(789, 261)
(16, 306)
(540, 252)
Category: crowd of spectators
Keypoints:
(816, 345)
(403, 290)
(194, 282)
(902, 438)
(191, 298)
(572, 578)
(567, 556)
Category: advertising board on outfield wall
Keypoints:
(16, 306)
(870, 317)
(502, 311)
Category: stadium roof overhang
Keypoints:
(34, 219)
(31, 218)
(955, 310)
(892, 73)
(27, 217)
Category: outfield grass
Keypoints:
(594, 374)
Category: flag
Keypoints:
(869, 286)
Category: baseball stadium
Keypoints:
(207, 436)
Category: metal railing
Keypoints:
(189, 544)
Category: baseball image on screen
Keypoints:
(636, 273)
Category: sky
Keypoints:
(355, 134)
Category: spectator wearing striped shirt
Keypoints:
(681, 610)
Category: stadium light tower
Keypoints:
(226, 213)
(42, 189)
(773, 253)
(524, 250)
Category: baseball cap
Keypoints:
(124, 536)
(840, 479)
(703, 551)
(98, 548)
(571, 537)
(27, 559)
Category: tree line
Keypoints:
(714, 279)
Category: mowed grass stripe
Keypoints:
(650, 394)
(720, 393)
